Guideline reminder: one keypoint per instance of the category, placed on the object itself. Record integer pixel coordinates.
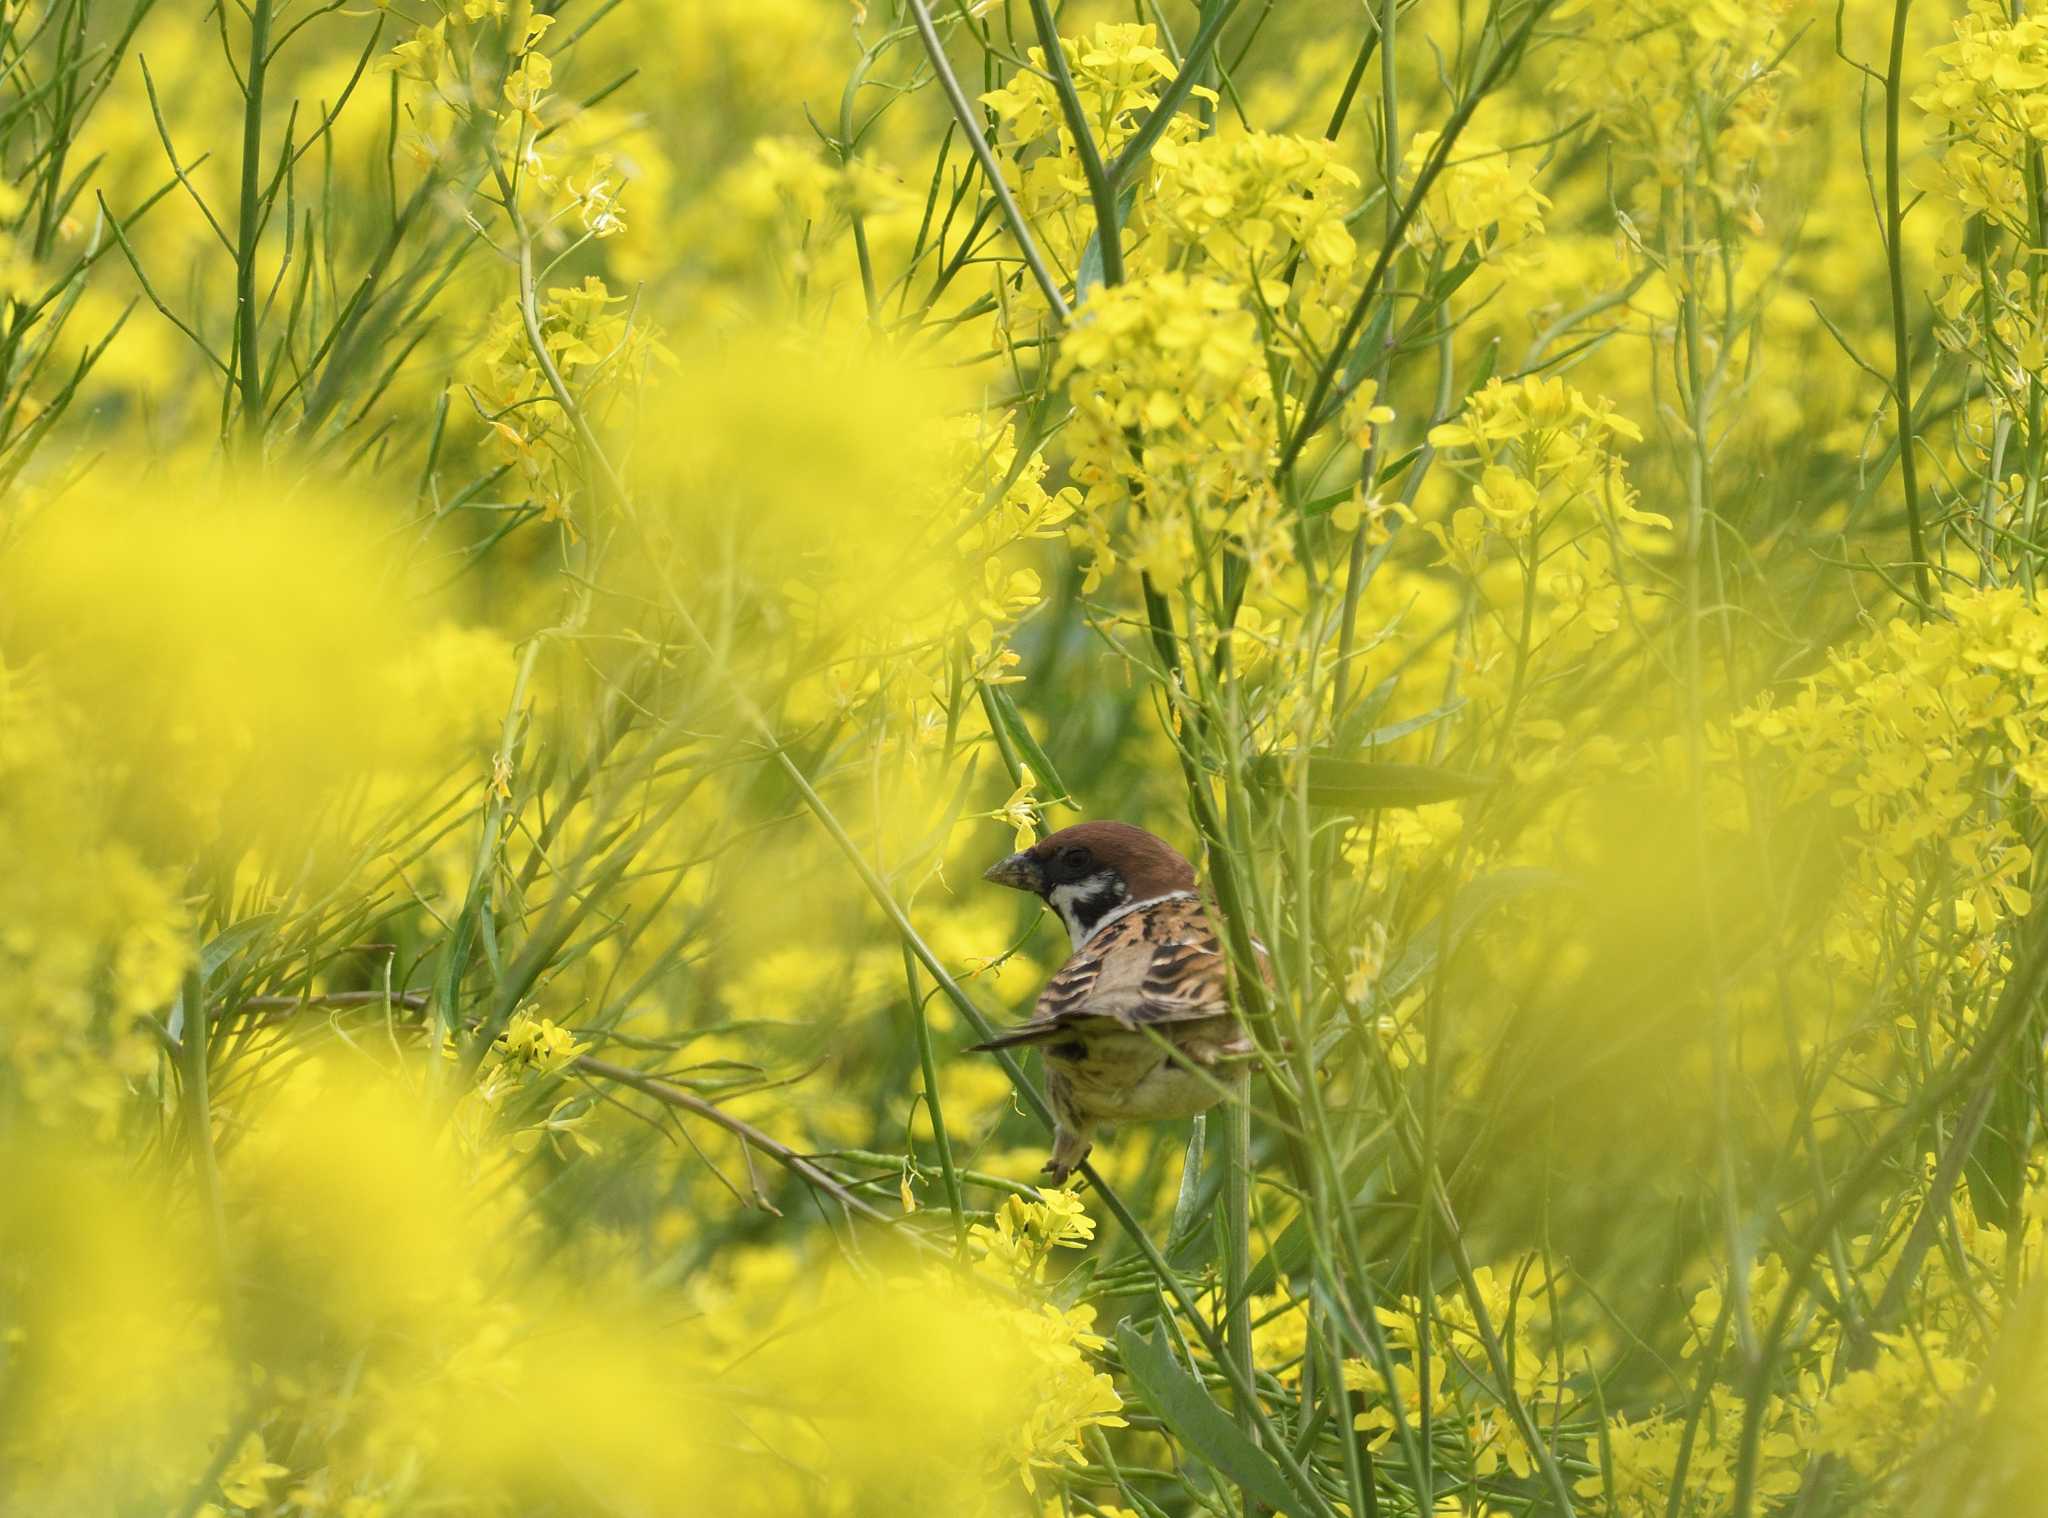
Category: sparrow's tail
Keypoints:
(1015, 1039)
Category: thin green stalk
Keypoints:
(1108, 236)
(1390, 111)
(1133, 154)
(674, 1096)
(1237, 1235)
(1902, 353)
(928, 1066)
(248, 358)
(1700, 515)
(193, 1042)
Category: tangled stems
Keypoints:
(1314, 413)
(970, 126)
(2018, 1004)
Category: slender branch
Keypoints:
(1895, 258)
(149, 290)
(745, 1132)
(412, 1001)
(1108, 238)
(248, 352)
(928, 1070)
(1132, 156)
(197, 1106)
(1948, 1172)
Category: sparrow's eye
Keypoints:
(1074, 861)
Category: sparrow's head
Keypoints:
(1087, 871)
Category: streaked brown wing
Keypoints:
(1159, 965)
(1162, 964)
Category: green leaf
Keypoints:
(1996, 1168)
(1322, 505)
(1484, 373)
(1369, 785)
(1203, 1429)
(1237, 577)
(1073, 1286)
(1187, 1207)
(1004, 711)
(1369, 344)
(216, 952)
(1447, 284)
(1395, 730)
(231, 940)
(1191, 1243)
(1399, 466)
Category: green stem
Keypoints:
(1100, 190)
(198, 1108)
(248, 363)
(1237, 1195)
(1894, 255)
(928, 1065)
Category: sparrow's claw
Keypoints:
(1058, 1168)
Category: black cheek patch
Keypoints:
(1090, 909)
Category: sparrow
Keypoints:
(1137, 1023)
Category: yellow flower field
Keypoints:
(545, 545)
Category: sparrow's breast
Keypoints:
(1131, 1077)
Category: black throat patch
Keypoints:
(1082, 904)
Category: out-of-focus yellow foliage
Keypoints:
(232, 649)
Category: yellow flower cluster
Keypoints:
(1247, 201)
(1460, 1394)
(1908, 1396)
(596, 347)
(1551, 526)
(92, 939)
(1268, 211)
(1641, 1460)
(1909, 730)
(1482, 201)
(1640, 67)
(1175, 417)
(1989, 100)
(1069, 1396)
(534, 1044)
(1118, 70)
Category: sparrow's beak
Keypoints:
(1017, 872)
